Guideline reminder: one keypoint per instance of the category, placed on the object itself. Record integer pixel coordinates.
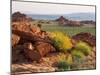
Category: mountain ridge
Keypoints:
(72, 16)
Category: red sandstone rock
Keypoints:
(15, 39)
(37, 51)
(86, 37)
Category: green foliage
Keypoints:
(63, 65)
(80, 51)
(61, 41)
(78, 54)
(69, 59)
(78, 58)
(62, 57)
(68, 30)
(83, 47)
(64, 61)
(65, 57)
(39, 25)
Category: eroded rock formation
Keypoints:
(31, 40)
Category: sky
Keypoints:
(46, 8)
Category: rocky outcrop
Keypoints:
(15, 39)
(34, 43)
(18, 17)
(44, 48)
(86, 37)
(31, 53)
(66, 22)
(73, 23)
(88, 22)
(37, 51)
(28, 32)
(18, 54)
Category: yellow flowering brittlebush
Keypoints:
(61, 41)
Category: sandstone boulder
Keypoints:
(31, 53)
(37, 51)
(17, 54)
(44, 48)
(30, 33)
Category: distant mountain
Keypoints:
(45, 17)
(81, 16)
(73, 16)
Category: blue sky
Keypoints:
(45, 8)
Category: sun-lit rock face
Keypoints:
(87, 37)
(32, 39)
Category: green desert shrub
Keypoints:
(80, 51)
(61, 41)
(65, 57)
(83, 47)
(63, 65)
(64, 61)
(78, 54)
